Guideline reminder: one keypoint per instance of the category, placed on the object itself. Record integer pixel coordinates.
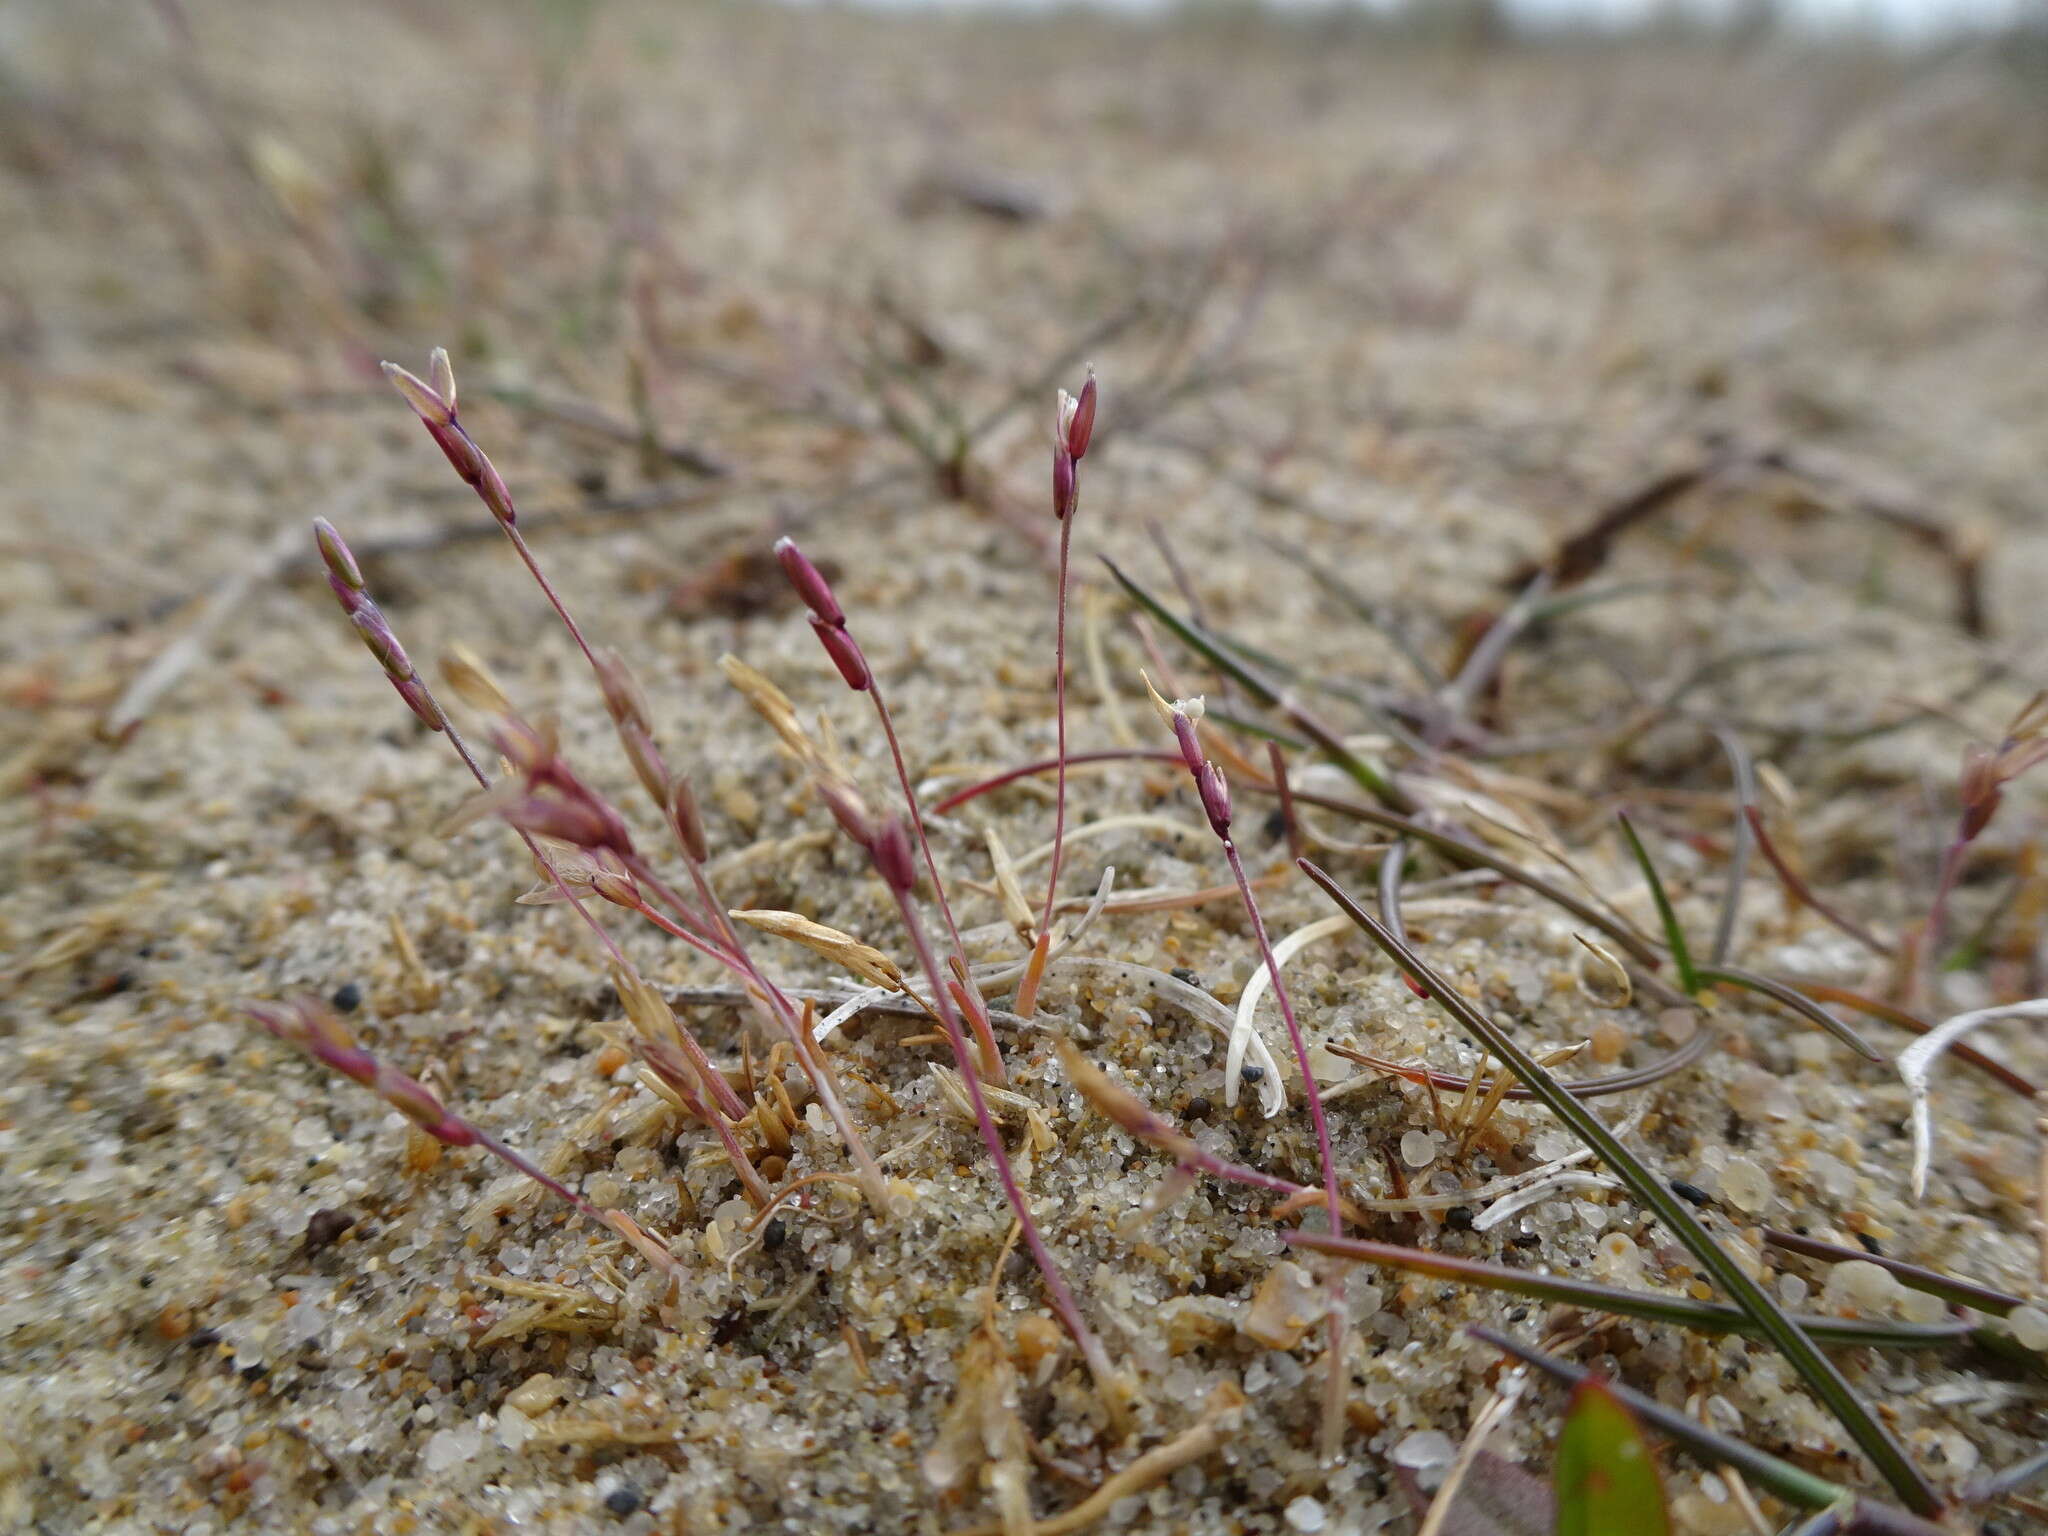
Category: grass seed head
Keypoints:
(1063, 481)
(809, 582)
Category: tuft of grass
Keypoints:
(1799, 1350)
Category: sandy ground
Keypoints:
(1414, 314)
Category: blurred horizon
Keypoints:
(1903, 20)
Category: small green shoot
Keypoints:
(1674, 935)
(1605, 1481)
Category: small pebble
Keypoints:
(1869, 1289)
(2029, 1325)
(622, 1500)
(324, 1227)
(1746, 1186)
(1418, 1149)
(348, 997)
(1305, 1514)
(1425, 1448)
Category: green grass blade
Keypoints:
(1363, 609)
(1805, 1357)
(1674, 936)
(1369, 778)
(1605, 1481)
(1652, 1306)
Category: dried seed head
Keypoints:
(845, 653)
(682, 804)
(843, 949)
(465, 672)
(335, 554)
(645, 1007)
(773, 706)
(431, 406)
(1079, 422)
(809, 582)
(1063, 483)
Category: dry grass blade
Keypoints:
(1916, 1068)
(1813, 1367)
(842, 949)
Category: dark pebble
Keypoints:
(1199, 1108)
(348, 997)
(775, 1234)
(1869, 1244)
(1690, 1192)
(1253, 1073)
(1459, 1218)
(622, 1501)
(324, 1227)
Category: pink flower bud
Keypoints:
(845, 653)
(809, 582)
(342, 570)
(891, 853)
(1190, 742)
(1062, 480)
(1215, 793)
(1981, 790)
(1081, 427)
